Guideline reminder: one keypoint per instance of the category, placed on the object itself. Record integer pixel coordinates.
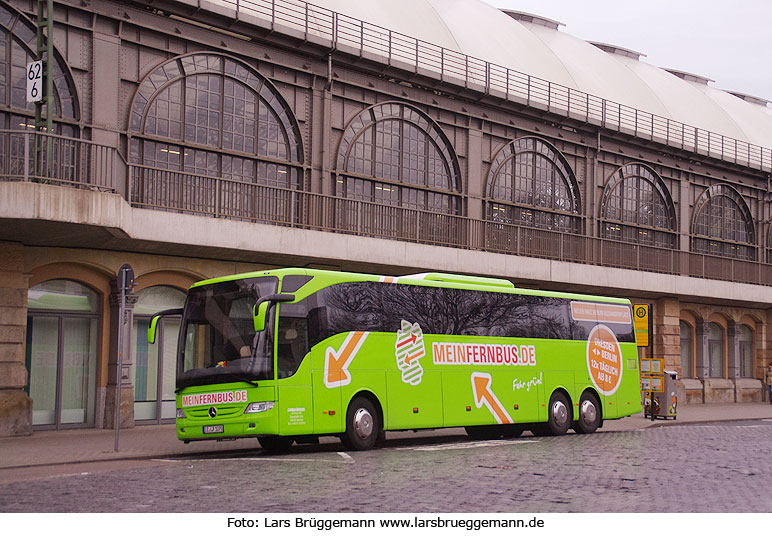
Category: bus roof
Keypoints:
(435, 279)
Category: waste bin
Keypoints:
(665, 404)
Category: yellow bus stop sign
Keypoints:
(641, 322)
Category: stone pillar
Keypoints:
(15, 405)
(666, 316)
(127, 388)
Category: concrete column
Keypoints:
(15, 405)
(127, 388)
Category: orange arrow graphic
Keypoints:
(336, 363)
(481, 388)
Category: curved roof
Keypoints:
(536, 47)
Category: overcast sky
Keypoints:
(728, 41)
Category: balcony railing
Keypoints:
(338, 31)
(41, 157)
(193, 194)
(38, 157)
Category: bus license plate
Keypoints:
(211, 429)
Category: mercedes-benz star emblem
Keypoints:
(212, 412)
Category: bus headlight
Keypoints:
(181, 414)
(262, 406)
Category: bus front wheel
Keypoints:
(362, 425)
(559, 415)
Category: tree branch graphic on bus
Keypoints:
(336, 363)
(409, 349)
(483, 395)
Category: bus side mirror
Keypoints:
(151, 329)
(260, 310)
(154, 322)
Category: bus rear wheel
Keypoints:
(363, 425)
(276, 444)
(559, 419)
(589, 414)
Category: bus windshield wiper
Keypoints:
(242, 378)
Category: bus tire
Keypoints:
(483, 432)
(559, 415)
(363, 425)
(589, 414)
(276, 444)
(511, 431)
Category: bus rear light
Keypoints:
(262, 406)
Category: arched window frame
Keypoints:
(639, 220)
(403, 173)
(218, 154)
(515, 202)
(769, 242)
(722, 234)
(15, 112)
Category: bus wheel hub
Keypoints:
(589, 412)
(560, 413)
(363, 423)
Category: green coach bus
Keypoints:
(290, 355)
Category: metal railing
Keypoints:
(348, 34)
(182, 192)
(59, 160)
(41, 157)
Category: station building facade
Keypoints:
(190, 141)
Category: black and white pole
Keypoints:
(125, 285)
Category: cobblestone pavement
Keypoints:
(680, 468)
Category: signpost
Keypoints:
(125, 285)
(35, 81)
(641, 322)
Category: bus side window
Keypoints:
(292, 345)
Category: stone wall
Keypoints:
(15, 405)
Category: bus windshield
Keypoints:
(219, 343)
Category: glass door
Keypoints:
(61, 354)
(153, 373)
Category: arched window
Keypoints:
(18, 43)
(769, 244)
(637, 208)
(686, 350)
(745, 337)
(61, 353)
(715, 350)
(154, 366)
(212, 117)
(723, 225)
(393, 154)
(397, 160)
(531, 184)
